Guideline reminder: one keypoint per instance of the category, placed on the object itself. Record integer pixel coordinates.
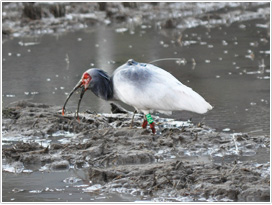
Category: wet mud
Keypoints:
(39, 18)
(181, 162)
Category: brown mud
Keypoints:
(181, 162)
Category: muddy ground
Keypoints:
(39, 18)
(181, 162)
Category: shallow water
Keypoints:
(228, 65)
(54, 187)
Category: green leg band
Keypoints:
(149, 118)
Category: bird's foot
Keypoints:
(148, 120)
(63, 111)
(144, 124)
(152, 126)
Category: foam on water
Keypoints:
(93, 188)
(16, 167)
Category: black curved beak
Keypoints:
(79, 101)
(79, 84)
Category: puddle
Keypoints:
(62, 137)
(53, 187)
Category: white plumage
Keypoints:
(149, 88)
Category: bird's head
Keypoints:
(94, 79)
(83, 83)
(85, 80)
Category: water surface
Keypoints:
(228, 65)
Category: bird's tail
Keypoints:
(192, 101)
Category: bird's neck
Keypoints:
(103, 88)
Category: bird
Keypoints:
(143, 86)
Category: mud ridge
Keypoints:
(180, 163)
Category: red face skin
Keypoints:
(86, 79)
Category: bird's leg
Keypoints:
(151, 123)
(132, 120)
(144, 123)
(152, 126)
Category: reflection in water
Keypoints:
(104, 45)
(215, 63)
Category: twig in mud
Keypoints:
(178, 164)
(45, 150)
(170, 133)
(177, 184)
(65, 147)
(235, 142)
(114, 160)
(195, 137)
(183, 129)
(232, 169)
(168, 180)
(201, 123)
(154, 180)
(118, 177)
(99, 158)
(70, 124)
(107, 157)
(157, 185)
(107, 131)
(36, 121)
(245, 169)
